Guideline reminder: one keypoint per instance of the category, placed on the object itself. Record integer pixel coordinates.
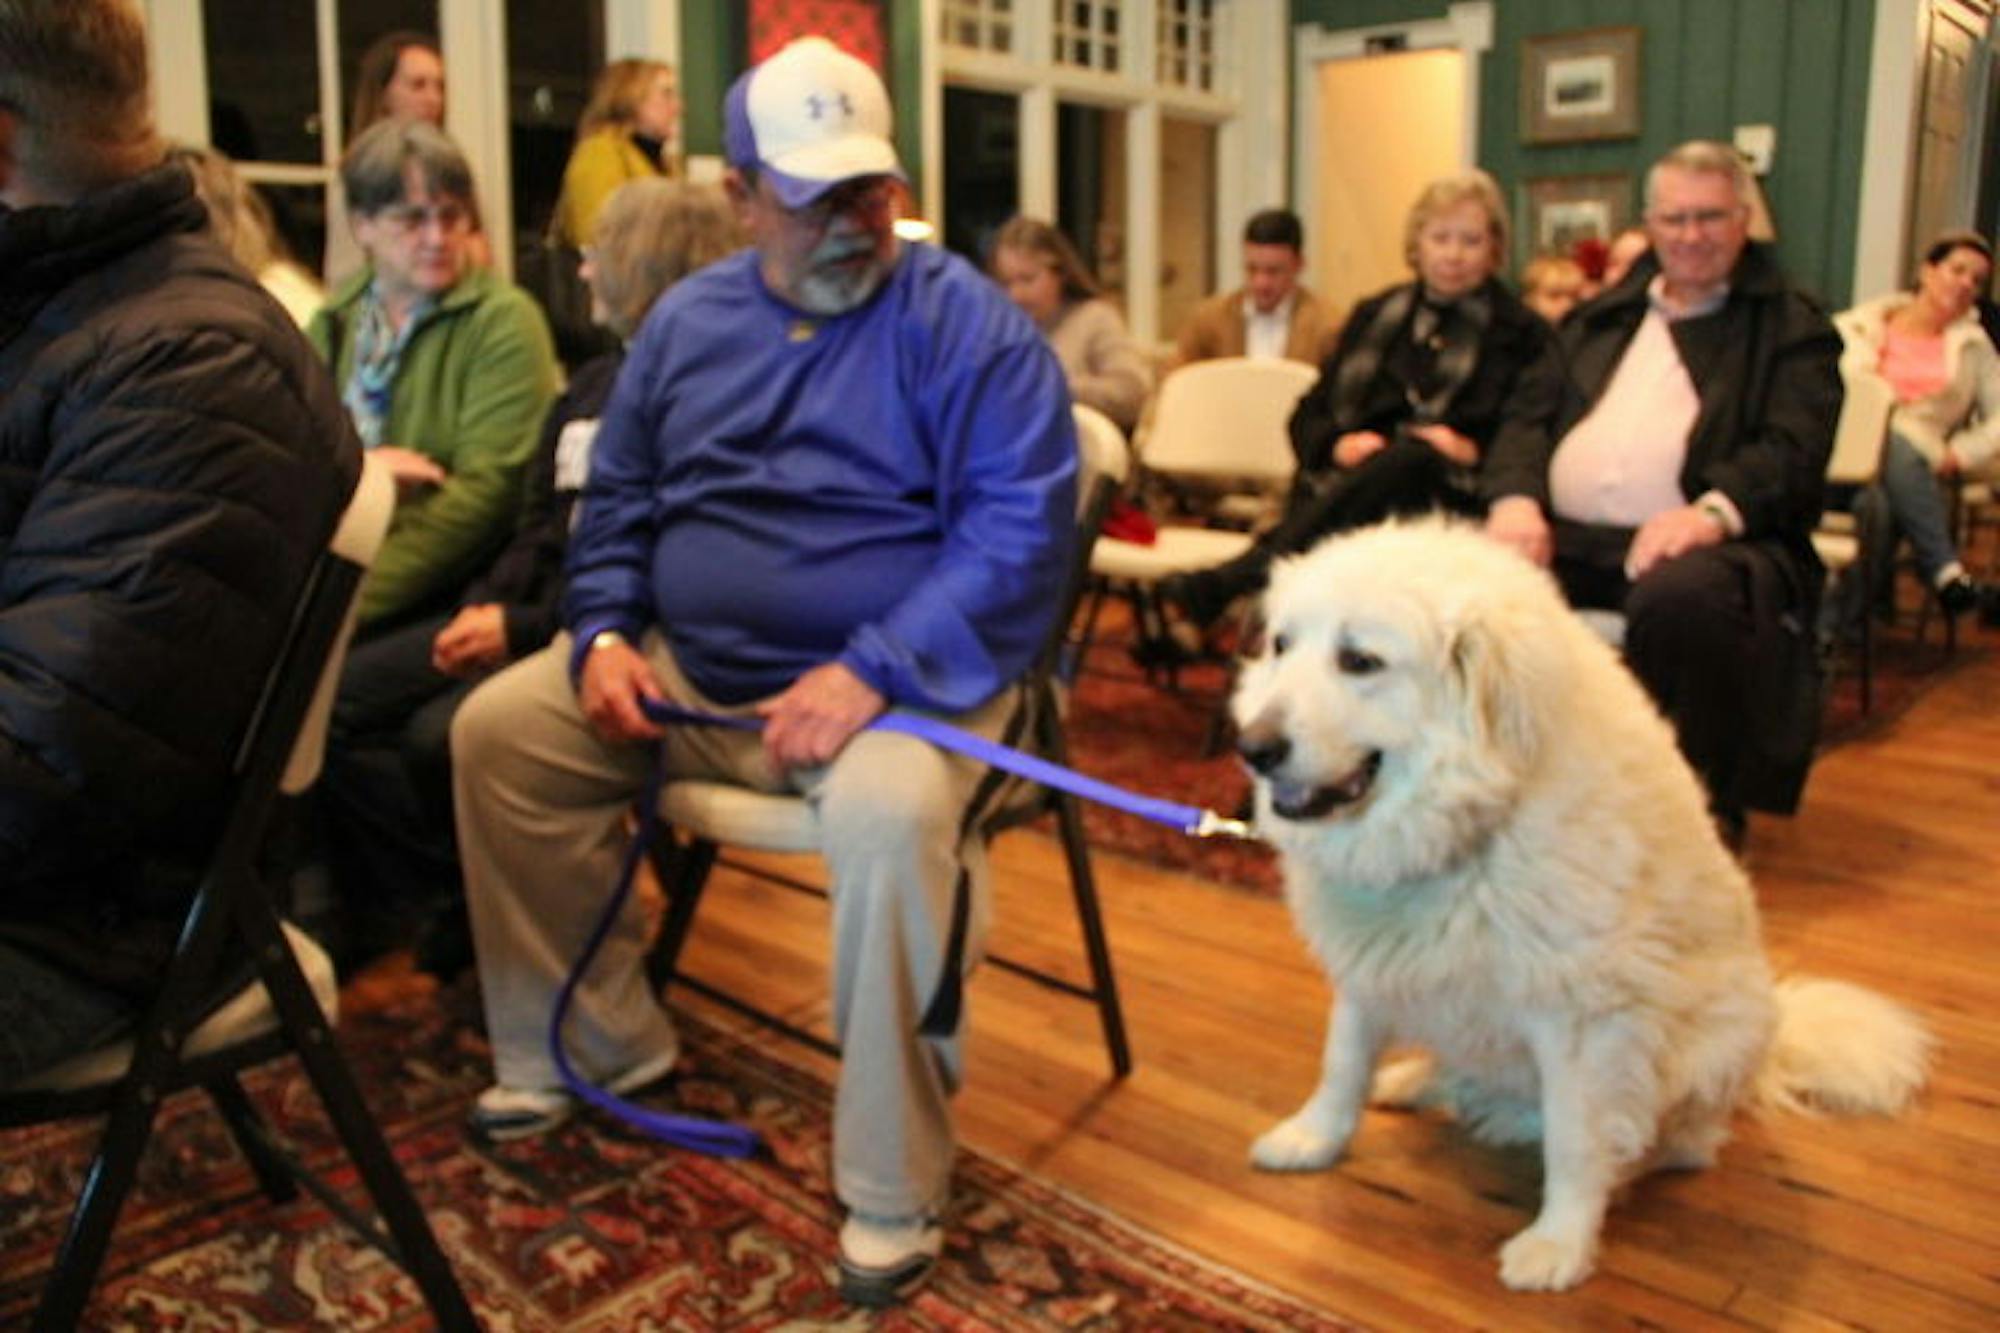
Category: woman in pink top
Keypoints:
(1931, 347)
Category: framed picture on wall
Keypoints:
(1563, 210)
(1580, 85)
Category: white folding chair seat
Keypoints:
(246, 1016)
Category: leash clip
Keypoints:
(1212, 825)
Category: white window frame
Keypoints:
(1249, 113)
(473, 36)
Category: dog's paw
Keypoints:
(1539, 1260)
(1297, 1144)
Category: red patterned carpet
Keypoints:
(591, 1228)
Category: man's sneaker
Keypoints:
(502, 1114)
(883, 1260)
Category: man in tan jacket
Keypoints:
(1273, 313)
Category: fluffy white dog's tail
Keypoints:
(1843, 1049)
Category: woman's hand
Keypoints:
(1949, 464)
(413, 471)
(475, 640)
(1357, 447)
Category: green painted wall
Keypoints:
(712, 43)
(1709, 65)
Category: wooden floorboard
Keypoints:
(1889, 876)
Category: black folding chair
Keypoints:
(186, 1039)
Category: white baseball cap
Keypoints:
(809, 118)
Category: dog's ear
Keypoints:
(1502, 693)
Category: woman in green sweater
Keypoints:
(446, 368)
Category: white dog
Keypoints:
(1494, 846)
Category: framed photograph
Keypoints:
(1580, 85)
(1563, 210)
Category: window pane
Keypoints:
(1187, 219)
(553, 55)
(982, 139)
(263, 79)
(1090, 189)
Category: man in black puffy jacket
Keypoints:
(172, 459)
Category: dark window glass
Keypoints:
(263, 79)
(1090, 188)
(982, 149)
(553, 54)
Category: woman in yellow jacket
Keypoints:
(626, 133)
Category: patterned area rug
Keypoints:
(590, 1228)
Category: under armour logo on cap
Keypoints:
(820, 106)
(809, 118)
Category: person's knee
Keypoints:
(1692, 597)
(894, 796)
(482, 732)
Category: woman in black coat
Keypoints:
(1411, 396)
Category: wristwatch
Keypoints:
(608, 638)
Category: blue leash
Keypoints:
(719, 1138)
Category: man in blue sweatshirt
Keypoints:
(837, 475)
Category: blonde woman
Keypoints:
(242, 222)
(1410, 398)
(625, 133)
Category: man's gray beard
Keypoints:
(827, 292)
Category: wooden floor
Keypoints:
(1889, 876)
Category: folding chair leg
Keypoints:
(416, 1247)
(247, 1128)
(126, 1131)
(684, 883)
(1083, 884)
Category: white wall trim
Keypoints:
(473, 34)
(175, 42)
(1888, 147)
(1250, 147)
(648, 29)
(930, 97)
(1467, 28)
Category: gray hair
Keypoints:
(1704, 157)
(375, 165)
(651, 233)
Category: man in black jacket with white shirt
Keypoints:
(1666, 458)
(172, 460)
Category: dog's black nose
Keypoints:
(1263, 752)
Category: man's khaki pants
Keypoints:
(541, 800)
